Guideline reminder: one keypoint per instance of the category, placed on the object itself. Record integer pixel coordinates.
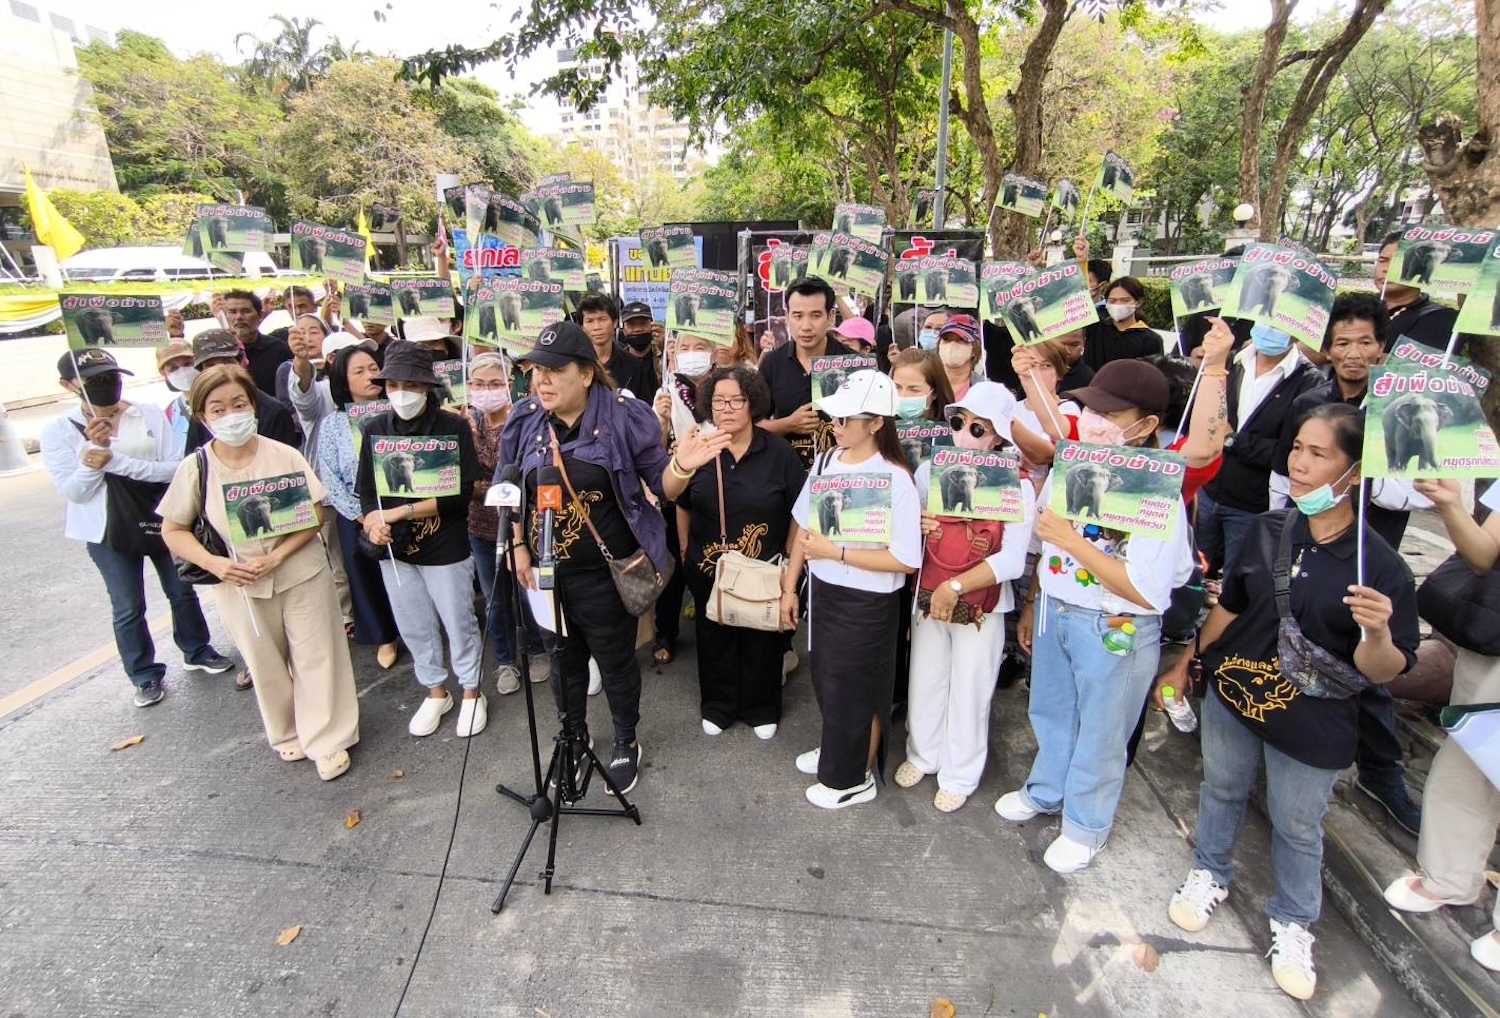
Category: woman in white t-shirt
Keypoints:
(854, 604)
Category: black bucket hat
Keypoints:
(408, 362)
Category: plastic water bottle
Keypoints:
(1180, 711)
(1120, 640)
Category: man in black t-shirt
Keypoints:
(788, 369)
(1413, 314)
(600, 321)
(263, 353)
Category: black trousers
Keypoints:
(669, 604)
(599, 627)
(739, 670)
(1380, 754)
(853, 635)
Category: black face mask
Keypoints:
(105, 389)
(637, 340)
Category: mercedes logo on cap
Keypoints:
(546, 338)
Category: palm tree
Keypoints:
(291, 62)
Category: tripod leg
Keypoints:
(515, 867)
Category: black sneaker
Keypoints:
(625, 765)
(150, 693)
(1395, 800)
(211, 661)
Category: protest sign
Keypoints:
(639, 280)
(513, 222)
(231, 262)
(1048, 304)
(703, 302)
(867, 222)
(939, 281)
(493, 257)
(370, 302)
(1283, 288)
(1200, 287)
(1134, 490)
(1408, 351)
(233, 227)
(422, 466)
(567, 204)
(1116, 177)
(671, 247)
(359, 414)
(422, 295)
(554, 265)
(338, 255)
(788, 266)
(851, 508)
(829, 373)
(772, 263)
(996, 280)
(1023, 195)
(1430, 425)
(908, 244)
(847, 261)
(270, 507)
(510, 312)
(469, 205)
(1066, 200)
(920, 438)
(94, 319)
(977, 485)
(1442, 259)
(451, 371)
(1480, 314)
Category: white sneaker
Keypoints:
(709, 728)
(1068, 856)
(767, 732)
(473, 715)
(596, 680)
(507, 679)
(823, 797)
(807, 762)
(1486, 951)
(1291, 960)
(1195, 901)
(1013, 806)
(541, 666)
(428, 716)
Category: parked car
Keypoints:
(161, 264)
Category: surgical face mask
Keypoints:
(1269, 341)
(927, 339)
(234, 429)
(407, 404)
(955, 355)
(181, 379)
(638, 340)
(1321, 499)
(105, 389)
(1120, 312)
(694, 362)
(1096, 429)
(909, 408)
(488, 401)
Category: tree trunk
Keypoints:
(1253, 106)
(1464, 175)
(1010, 236)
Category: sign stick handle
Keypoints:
(1452, 346)
(249, 609)
(1057, 421)
(1359, 549)
(81, 390)
(389, 549)
(1187, 411)
(1083, 224)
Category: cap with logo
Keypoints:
(560, 344)
(81, 364)
(213, 344)
(172, 350)
(863, 392)
(636, 309)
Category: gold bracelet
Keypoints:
(1216, 373)
(677, 471)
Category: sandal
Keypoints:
(664, 651)
(907, 775)
(242, 682)
(948, 802)
(291, 755)
(332, 765)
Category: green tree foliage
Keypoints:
(470, 112)
(301, 53)
(105, 218)
(165, 217)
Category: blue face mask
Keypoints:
(1269, 341)
(909, 408)
(1321, 499)
(927, 339)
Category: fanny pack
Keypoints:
(1314, 670)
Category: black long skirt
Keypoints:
(853, 635)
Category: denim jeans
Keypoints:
(502, 621)
(1220, 531)
(124, 579)
(1297, 796)
(1084, 705)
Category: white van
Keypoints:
(159, 264)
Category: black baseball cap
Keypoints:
(636, 309)
(560, 344)
(213, 344)
(79, 364)
(1123, 384)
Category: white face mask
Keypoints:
(234, 429)
(181, 379)
(1120, 312)
(955, 355)
(694, 362)
(489, 401)
(407, 404)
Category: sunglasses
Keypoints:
(976, 428)
(843, 422)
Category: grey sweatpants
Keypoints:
(425, 597)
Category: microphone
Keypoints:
(549, 504)
(505, 495)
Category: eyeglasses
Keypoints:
(976, 428)
(843, 422)
(730, 403)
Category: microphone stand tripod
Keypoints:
(569, 755)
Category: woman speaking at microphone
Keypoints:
(603, 447)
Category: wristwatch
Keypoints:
(956, 587)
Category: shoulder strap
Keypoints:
(1281, 570)
(723, 526)
(583, 506)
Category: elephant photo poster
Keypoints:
(451, 371)
(1407, 351)
(234, 227)
(1430, 425)
(867, 222)
(920, 438)
(510, 313)
(1066, 200)
(513, 222)
(1201, 286)
(971, 484)
(996, 279)
(851, 508)
(940, 280)
(422, 466)
(849, 262)
(670, 247)
(554, 265)
(829, 373)
(1116, 177)
(1283, 288)
(1132, 490)
(370, 302)
(359, 414)
(338, 255)
(1047, 304)
(566, 204)
(93, 319)
(269, 507)
(422, 295)
(705, 303)
(783, 265)
(1023, 195)
(1480, 315)
(1446, 259)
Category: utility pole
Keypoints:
(938, 219)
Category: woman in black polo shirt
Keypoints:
(760, 476)
(1256, 714)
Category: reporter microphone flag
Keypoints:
(549, 504)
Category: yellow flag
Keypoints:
(50, 226)
(363, 227)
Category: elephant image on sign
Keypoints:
(843, 223)
(400, 469)
(957, 488)
(832, 381)
(359, 305)
(255, 515)
(1197, 291)
(781, 272)
(510, 312)
(311, 250)
(656, 252)
(195, 242)
(1111, 175)
(936, 281)
(1495, 312)
(1263, 287)
(830, 504)
(409, 301)
(1086, 487)
(1421, 261)
(906, 285)
(838, 263)
(1411, 424)
(95, 326)
(537, 270)
(687, 309)
(913, 449)
(1021, 313)
(552, 211)
(217, 228)
(487, 321)
(1010, 195)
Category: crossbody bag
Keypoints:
(746, 591)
